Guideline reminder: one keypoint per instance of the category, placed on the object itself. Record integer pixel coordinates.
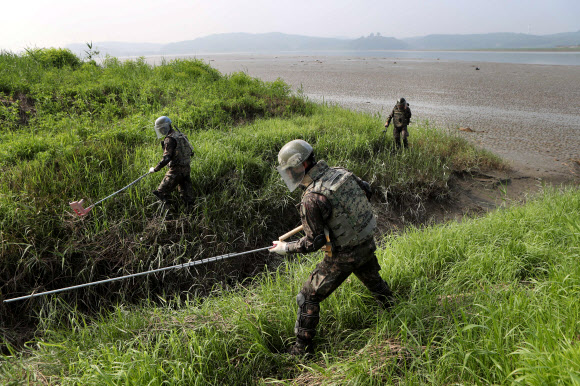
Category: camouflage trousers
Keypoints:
(399, 132)
(176, 177)
(328, 275)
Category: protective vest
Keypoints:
(183, 150)
(352, 220)
(400, 118)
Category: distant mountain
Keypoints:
(377, 42)
(279, 42)
(506, 40)
(245, 42)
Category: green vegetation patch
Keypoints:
(88, 132)
(492, 300)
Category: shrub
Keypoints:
(54, 57)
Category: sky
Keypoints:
(41, 23)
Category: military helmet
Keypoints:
(291, 158)
(401, 101)
(162, 126)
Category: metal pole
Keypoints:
(178, 266)
(120, 190)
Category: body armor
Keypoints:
(352, 221)
(183, 150)
(399, 117)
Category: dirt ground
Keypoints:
(525, 113)
(528, 114)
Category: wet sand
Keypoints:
(526, 113)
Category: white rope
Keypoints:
(178, 266)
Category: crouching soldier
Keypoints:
(401, 117)
(337, 216)
(177, 152)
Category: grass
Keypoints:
(491, 300)
(488, 301)
(73, 130)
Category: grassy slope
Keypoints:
(85, 131)
(492, 300)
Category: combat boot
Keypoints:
(301, 348)
(160, 196)
(384, 296)
(397, 143)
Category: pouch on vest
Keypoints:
(328, 246)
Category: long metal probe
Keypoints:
(120, 190)
(77, 206)
(178, 266)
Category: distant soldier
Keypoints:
(177, 152)
(337, 216)
(401, 116)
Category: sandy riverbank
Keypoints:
(528, 114)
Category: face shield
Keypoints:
(291, 158)
(158, 131)
(162, 126)
(292, 176)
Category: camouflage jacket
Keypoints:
(315, 212)
(177, 151)
(401, 116)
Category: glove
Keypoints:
(152, 170)
(280, 247)
(387, 124)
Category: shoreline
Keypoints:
(525, 113)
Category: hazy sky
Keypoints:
(42, 23)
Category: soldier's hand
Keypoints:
(280, 247)
(152, 170)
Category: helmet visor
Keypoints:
(292, 176)
(158, 131)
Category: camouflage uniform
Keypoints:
(177, 152)
(401, 116)
(345, 251)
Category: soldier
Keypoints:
(337, 216)
(177, 152)
(402, 117)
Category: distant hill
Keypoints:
(279, 42)
(377, 42)
(504, 40)
(245, 42)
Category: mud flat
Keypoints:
(528, 114)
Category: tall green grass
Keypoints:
(84, 131)
(492, 300)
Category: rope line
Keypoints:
(177, 266)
